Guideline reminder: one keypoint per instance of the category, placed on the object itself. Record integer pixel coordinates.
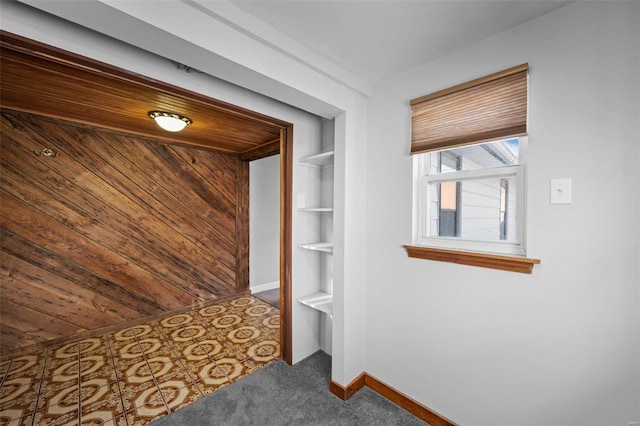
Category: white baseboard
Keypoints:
(264, 287)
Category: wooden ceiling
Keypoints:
(40, 79)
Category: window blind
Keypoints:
(488, 108)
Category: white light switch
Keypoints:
(561, 191)
(301, 201)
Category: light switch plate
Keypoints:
(301, 201)
(560, 191)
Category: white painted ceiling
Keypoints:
(374, 40)
(269, 45)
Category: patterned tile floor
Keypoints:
(138, 374)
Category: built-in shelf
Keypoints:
(318, 160)
(317, 210)
(319, 246)
(321, 301)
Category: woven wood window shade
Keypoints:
(488, 108)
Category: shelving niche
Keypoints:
(318, 160)
(320, 246)
(316, 210)
(322, 299)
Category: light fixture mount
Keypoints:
(170, 121)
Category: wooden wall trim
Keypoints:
(265, 150)
(345, 393)
(409, 404)
(286, 242)
(398, 398)
(522, 265)
(242, 224)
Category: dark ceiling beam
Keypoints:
(265, 150)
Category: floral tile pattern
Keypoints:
(139, 374)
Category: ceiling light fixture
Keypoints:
(169, 121)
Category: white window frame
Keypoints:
(422, 210)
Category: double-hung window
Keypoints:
(469, 148)
(472, 197)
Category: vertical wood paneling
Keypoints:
(114, 228)
(242, 224)
(286, 242)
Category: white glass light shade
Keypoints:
(169, 121)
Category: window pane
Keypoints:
(449, 162)
(474, 157)
(448, 213)
(477, 209)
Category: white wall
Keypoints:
(488, 347)
(264, 223)
(480, 346)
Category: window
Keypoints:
(469, 143)
(447, 197)
(471, 197)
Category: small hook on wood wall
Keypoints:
(47, 153)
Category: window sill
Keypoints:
(485, 260)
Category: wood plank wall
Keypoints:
(113, 229)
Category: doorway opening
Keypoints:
(264, 229)
(271, 183)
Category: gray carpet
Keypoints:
(279, 394)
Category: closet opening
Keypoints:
(179, 257)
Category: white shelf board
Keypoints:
(318, 160)
(321, 301)
(317, 210)
(319, 246)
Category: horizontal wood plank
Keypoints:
(32, 326)
(40, 229)
(132, 304)
(46, 292)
